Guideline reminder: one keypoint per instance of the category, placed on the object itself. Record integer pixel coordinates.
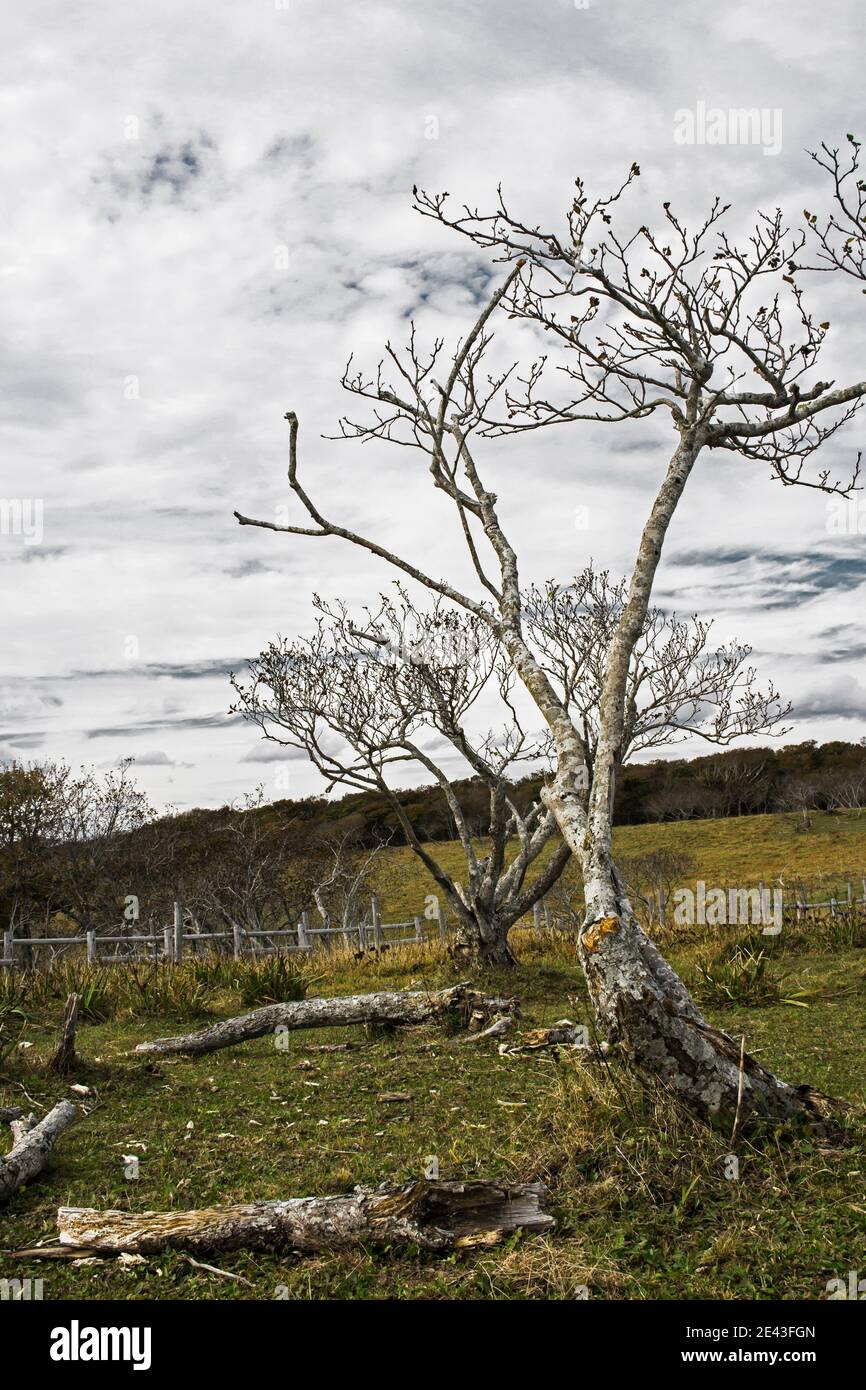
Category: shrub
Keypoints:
(738, 977)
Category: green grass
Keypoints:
(643, 1206)
(742, 850)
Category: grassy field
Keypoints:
(740, 850)
(643, 1205)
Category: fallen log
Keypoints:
(29, 1154)
(407, 1007)
(433, 1215)
(64, 1058)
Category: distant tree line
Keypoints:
(75, 846)
(82, 851)
(799, 777)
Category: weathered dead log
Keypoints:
(64, 1058)
(29, 1155)
(407, 1008)
(434, 1215)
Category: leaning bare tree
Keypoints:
(399, 689)
(674, 323)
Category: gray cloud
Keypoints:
(200, 243)
(203, 721)
(268, 752)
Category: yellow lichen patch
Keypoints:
(595, 933)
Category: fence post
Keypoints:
(419, 931)
(8, 947)
(546, 912)
(441, 919)
(662, 897)
(178, 933)
(236, 941)
(303, 939)
(377, 921)
(91, 947)
(536, 919)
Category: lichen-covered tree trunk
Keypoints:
(642, 1004)
(482, 944)
(639, 1000)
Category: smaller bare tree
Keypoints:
(384, 688)
(400, 690)
(238, 873)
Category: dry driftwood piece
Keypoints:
(64, 1058)
(503, 1024)
(29, 1154)
(406, 1007)
(435, 1215)
(563, 1033)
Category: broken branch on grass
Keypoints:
(407, 1007)
(503, 1024)
(435, 1215)
(30, 1153)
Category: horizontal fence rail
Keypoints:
(171, 943)
(795, 901)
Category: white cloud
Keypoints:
(168, 296)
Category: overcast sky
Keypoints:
(206, 207)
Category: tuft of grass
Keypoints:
(737, 975)
(13, 1022)
(276, 979)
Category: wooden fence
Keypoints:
(795, 902)
(172, 943)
